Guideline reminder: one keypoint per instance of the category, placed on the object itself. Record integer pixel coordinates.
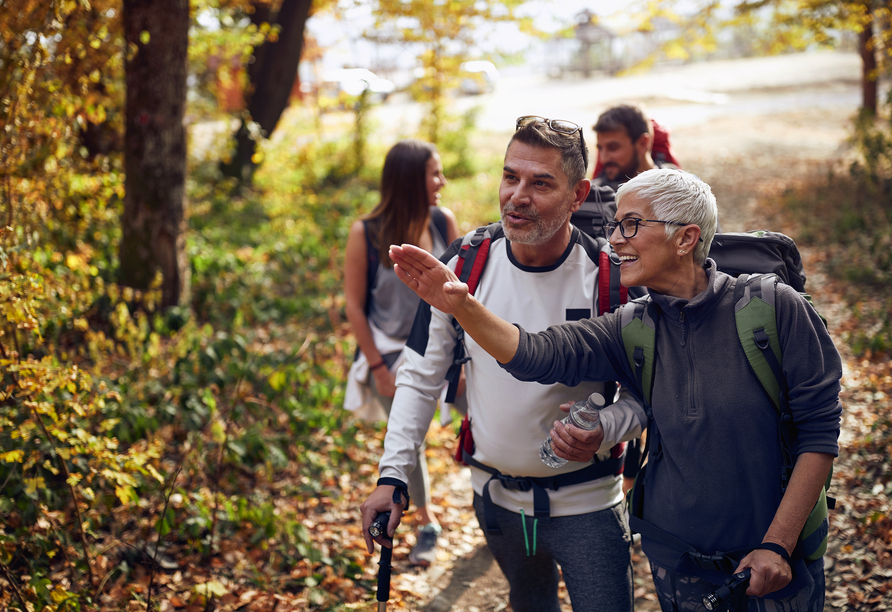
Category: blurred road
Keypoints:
(675, 96)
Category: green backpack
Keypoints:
(756, 320)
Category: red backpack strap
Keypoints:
(472, 256)
(611, 293)
(471, 260)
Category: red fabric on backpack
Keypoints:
(465, 441)
(604, 285)
(617, 451)
(661, 147)
(477, 265)
(465, 437)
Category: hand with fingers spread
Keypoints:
(574, 443)
(427, 276)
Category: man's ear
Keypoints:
(580, 193)
(644, 143)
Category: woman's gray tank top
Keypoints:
(392, 304)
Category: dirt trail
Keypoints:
(748, 161)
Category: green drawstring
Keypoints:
(535, 524)
(526, 540)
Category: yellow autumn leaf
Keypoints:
(59, 594)
(218, 433)
(155, 474)
(211, 588)
(32, 484)
(74, 261)
(125, 494)
(13, 456)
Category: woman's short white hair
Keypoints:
(675, 195)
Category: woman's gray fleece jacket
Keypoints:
(714, 474)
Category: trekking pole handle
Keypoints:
(733, 585)
(376, 529)
(379, 525)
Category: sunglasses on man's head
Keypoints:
(556, 125)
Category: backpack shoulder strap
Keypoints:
(473, 253)
(438, 223)
(472, 256)
(611, 293)
(755, 315)
(638, 323)
(372, 261)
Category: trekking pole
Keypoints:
(379, 528)
(733, 585)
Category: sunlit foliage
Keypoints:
(768, 26)
(442, 35)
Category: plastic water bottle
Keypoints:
(585, 414)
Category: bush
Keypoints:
(849, 214)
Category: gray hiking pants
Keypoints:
(592, 551)
(689, 591)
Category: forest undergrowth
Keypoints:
(199, 459)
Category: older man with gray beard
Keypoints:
(540, 271)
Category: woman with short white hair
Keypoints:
(715, 466)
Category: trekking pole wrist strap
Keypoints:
(401, 489)
(776, 548)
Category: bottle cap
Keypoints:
(596, 399)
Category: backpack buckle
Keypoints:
(477, 238)
(761, 338)
(515, 484)
(721, 563)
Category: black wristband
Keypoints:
(400, 488)
(777, 548)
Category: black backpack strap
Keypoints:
(538, 485)
(438, 222)
(372, 261)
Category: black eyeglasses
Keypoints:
(556, 125)
(628, 227)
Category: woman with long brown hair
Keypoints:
(381, 308)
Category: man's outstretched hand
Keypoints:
(437, 285)
(427, 276)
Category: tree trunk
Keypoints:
(867, 46)
(153, 223)
(271, 76)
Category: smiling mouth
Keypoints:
(627, 258)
